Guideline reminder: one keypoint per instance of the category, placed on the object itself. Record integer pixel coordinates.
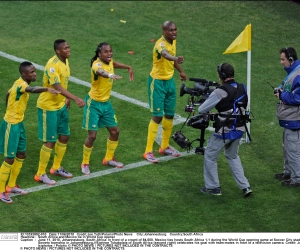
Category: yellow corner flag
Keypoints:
(241, 43)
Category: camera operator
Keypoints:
(229, 129)
(288, 115)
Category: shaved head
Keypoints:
(167, 24)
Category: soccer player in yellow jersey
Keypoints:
(162, 91)
(12, 130)
(98, 112)
(53, 116)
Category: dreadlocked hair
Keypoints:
(99, 48)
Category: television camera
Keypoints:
(197, 95)
(202, 89)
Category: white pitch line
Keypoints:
(103, 172)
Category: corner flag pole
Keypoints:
(241, 44)
(248, 89)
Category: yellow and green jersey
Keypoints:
(162, 68)
(17, 102)
(55, 72)
(101, 87)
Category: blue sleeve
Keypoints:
(293, 97)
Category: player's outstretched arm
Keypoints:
(118, 65)
(178, 59)
(38, 89)
(106, 74)
(80, 102)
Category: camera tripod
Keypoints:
(201, 149)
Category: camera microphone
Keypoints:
(198, 80)
(202, 80)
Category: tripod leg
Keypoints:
(247, 131)
(200, 149)
(202, 140)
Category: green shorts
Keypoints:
(162, 96)
(98, 115)
(12, 139)
(53, 123)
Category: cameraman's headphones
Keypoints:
(222, 75)
(289, 57)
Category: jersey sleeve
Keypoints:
(18, 88)
(21, 88)
(96, 66)
(52, 73)
(160, 46)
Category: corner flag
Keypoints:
(241, 43)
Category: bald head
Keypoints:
(167, 24)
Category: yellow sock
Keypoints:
(60, 150)
(15, 171)
(152, 132)
(167, 125)
(45, 154)
(110, 149)
(86, 154)
(4, 174)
